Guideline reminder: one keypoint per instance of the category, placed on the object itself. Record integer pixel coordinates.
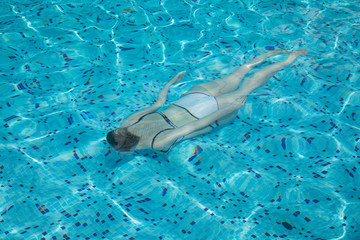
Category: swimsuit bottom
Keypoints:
(198, 104)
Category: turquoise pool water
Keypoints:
(287, 167)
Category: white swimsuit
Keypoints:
(198, 104)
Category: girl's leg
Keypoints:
(231, 82)
(256, 80)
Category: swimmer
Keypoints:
(197, 111)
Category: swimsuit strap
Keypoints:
(140, 118)
(171, 146)
(152, 142)
(167, 119)
(166, 129)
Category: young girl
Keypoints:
(199, 110)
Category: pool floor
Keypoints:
(286, 168)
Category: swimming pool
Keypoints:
(287, 167)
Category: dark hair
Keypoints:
(127, 138)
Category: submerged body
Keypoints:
(198, 111)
